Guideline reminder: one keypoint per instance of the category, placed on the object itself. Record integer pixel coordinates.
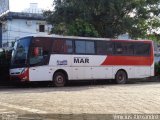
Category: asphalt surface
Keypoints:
(80, 100)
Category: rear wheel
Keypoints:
(121, 77)
(59, 79)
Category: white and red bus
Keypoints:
(63, 58)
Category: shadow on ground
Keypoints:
(8, 84)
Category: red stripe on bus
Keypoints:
(24, 75)
(128, 60)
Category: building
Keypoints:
(124, 36)
(14, 25)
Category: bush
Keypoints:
(5, 57)
(157, 69)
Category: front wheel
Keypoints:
(59, 79)
(121, 77)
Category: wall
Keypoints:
(17, 28)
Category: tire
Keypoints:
(121, 77)
(59, 79)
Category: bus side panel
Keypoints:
(61, 62)
(102, 72)
(152, 70)
(152, 60)
(134, 71)
(130, 70)
(40, 73)
(135, 66)
(91, 67)
(142, 71)
(46, 72)
(80, 67)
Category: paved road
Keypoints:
(79, 102)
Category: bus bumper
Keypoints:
(17, 79)
(21, 74)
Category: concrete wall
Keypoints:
(17, 28)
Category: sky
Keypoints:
(20, 5)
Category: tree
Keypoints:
(155, 37)
(105, 18)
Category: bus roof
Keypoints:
(72, 37)
(86, 38)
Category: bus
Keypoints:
(60, 59)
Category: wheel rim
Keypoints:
(121, 77)
(59, 80)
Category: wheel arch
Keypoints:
(121, 70)
(62, 71)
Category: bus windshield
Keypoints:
(20, 51)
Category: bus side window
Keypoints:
(80, 47)
(89, 47)
(118, 48)
(69, 46)
(142, 49)
(62, 46)
(104, 47)
(36, 55)
(37, 51)
(125, 48)
(85, 47)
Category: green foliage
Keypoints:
(155, 37)
(77, 28)
(60, 29)
(82, 28)
(104, 18)
(2, 57)
(157, 69)
(5, 57)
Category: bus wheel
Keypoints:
(59, 79)
(121, 77)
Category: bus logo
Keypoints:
(81, 60)
(63, 62)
